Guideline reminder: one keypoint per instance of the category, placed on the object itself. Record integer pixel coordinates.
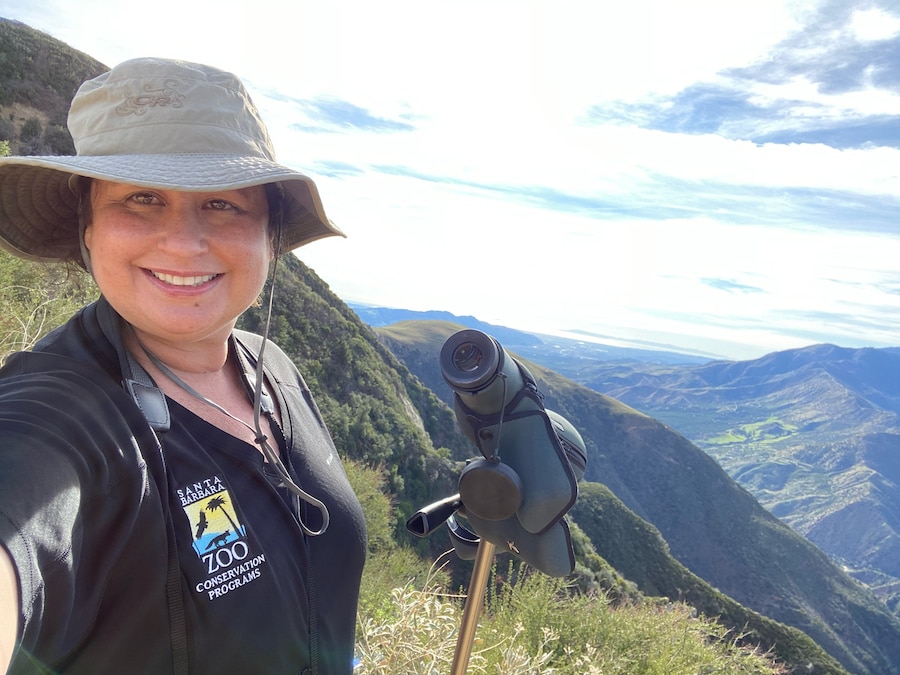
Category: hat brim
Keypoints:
(38, 209)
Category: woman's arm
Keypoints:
(9, 609)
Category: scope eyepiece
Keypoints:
(470, 360)
(467, 357)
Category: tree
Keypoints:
(36, 298)
(218, 504)
(58, 140)
(31, 130)
(7, 133)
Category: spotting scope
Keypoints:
(517, 493)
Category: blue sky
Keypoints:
(716, 177)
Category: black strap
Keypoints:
(138, 387)
(135, 380)
(177, 620)
(148, 397)
(174, 596)
(152, 402)
(247, 356)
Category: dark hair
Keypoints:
(275, 198)
(81, 186)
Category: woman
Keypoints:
(170, 500)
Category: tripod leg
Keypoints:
(477, 584)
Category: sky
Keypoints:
(706, 176)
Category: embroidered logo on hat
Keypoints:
(164, 96)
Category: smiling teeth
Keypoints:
(184, 281)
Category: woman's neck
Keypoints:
(203, 357)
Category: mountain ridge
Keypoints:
(547, 345)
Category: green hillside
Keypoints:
(38, 77)
(637, 550)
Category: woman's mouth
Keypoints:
(176, 280)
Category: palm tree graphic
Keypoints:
(218, 503)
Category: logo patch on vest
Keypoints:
(210, 510)
(219, 537)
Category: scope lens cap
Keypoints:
(490, 490)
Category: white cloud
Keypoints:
(808, 101)
(874, 25)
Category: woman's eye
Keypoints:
(143, 198)
(219, 205)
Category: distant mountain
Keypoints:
(385, 316)
(813, 433)
(712, 526)
(549, 350)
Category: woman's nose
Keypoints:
(185, 231)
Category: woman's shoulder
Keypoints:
(39, 371)
(63, 385)
(274, 357)
(55, 401)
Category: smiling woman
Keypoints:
(152, 517)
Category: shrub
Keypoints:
(7, 130)
(58, 140)
(31, 130)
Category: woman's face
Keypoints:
(179, 266)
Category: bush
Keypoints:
(58, 140)
(35, 298)
(387, 563)
(7, 130)
(33, 148)
(31, 130)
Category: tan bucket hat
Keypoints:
(155, 123)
